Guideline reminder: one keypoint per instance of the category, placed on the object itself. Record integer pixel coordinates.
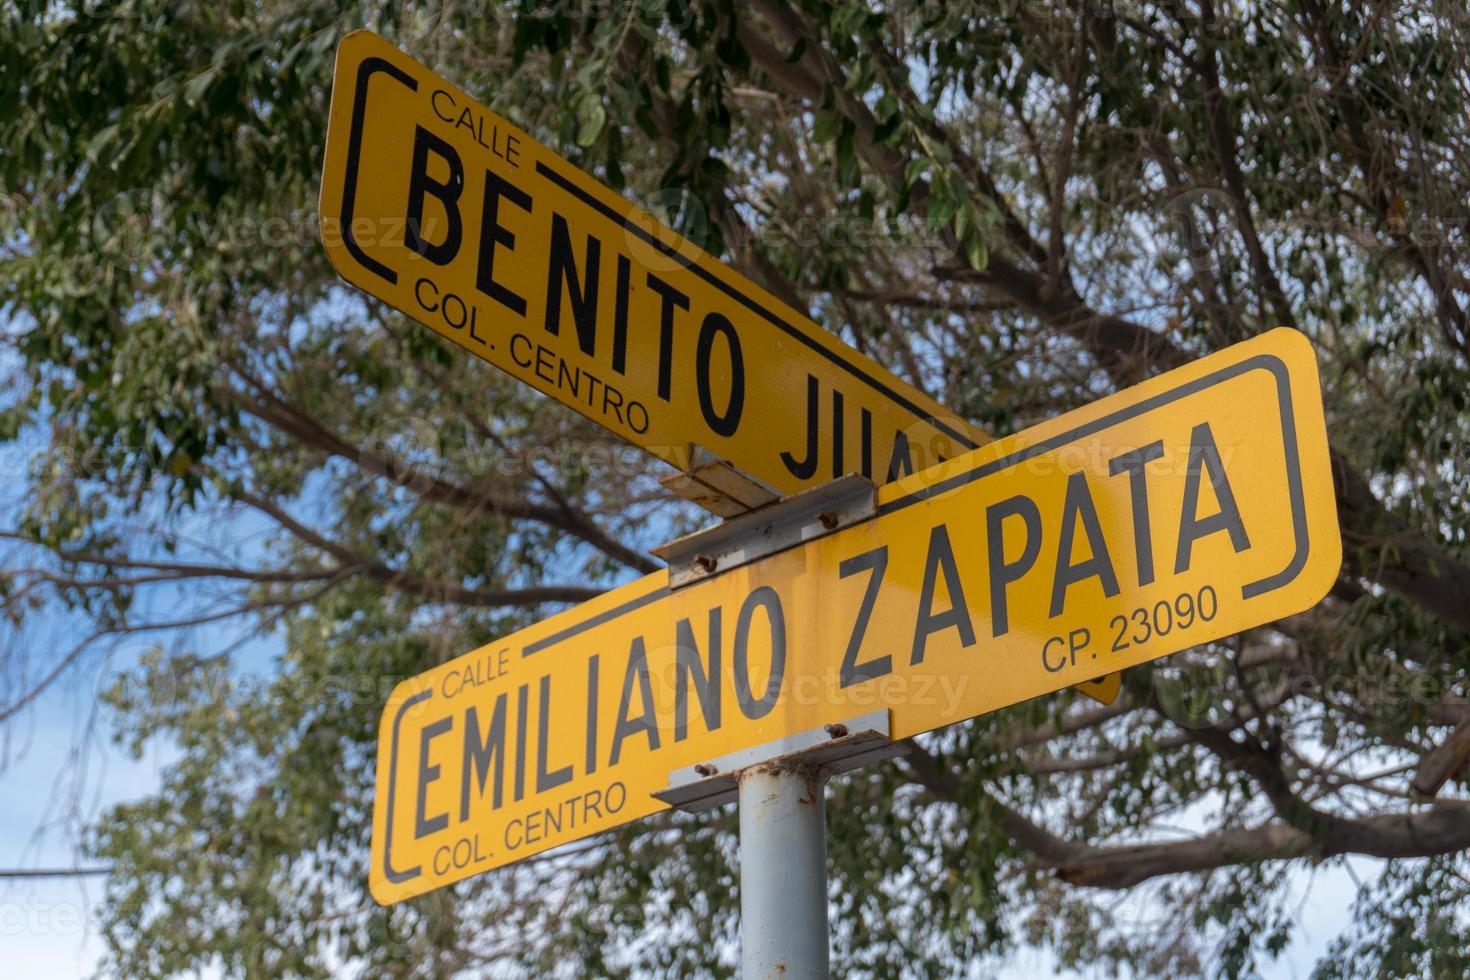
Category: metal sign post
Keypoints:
(780, 786)
(783, 872)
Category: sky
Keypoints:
(59, 767)
(59, 770)
(47, 927)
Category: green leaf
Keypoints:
(942, 207)
(826, 125)
(99, 141)
(591, 118)
(196, 87)
(975, 251)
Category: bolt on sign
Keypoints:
(444, 210)
(1188, 508)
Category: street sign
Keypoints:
(454, 216)
(1188, 508)
(448, 212)
(451, 214)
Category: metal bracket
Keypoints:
(719, 486)
(836, 748)
(741, 540)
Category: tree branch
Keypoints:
(1444, 761)
(406, 581)
(1222, 139)
(1454, 321)
(274, 411)
(1442, 829)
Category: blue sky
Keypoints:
(46, 926)
(59, 771)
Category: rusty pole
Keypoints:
(783, 872)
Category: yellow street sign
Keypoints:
(1191, 507)
(446, 211)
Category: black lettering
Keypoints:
(940, 558)
(852, 672)
(561, 276)
(424, 825)
(434, 102)
(418, 294)
(805, 468)
(671, 299)
(645, 721)
(1099, 564)
(638, 407)
(900, 463)
(544, 365)
(753, 707)
(447, 192)
(569, 378)
(526, 342)
(1203, 453)
(592, 382)
(1133, 464)
(620, 315)
(705, 678)
(612, 402)
(1002, 572)
(867, 443)
(478, 751)
(727, 422)
(493, 234)
(837, 433)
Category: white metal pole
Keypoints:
(783, 873)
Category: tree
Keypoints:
(1020, 207)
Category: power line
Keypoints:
(52, 872)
